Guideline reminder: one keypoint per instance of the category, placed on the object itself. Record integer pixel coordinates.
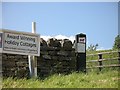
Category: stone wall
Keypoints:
(56, 56)
(14, 65)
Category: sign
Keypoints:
(20, 43)
(80, 46)
(82, 40)
(80, 52)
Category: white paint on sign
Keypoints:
(81, 48)
(21, 43)
(81, 45)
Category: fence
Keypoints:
(104, 59)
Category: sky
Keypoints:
(98, 20)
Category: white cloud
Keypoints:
(46, 37)
(72, 38)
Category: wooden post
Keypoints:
(32, 59)
(99, 60)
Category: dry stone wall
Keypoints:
(14, 65)
(56, 56)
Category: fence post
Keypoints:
(100, 61)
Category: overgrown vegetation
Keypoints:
(104, 79)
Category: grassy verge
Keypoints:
(104, 79)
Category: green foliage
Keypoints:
(117, 42)
(104, 79)
(92, 47)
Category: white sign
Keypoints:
(81, 48)
(81, 45)
(20, 43)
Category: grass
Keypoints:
(104, 56)
(107, 78)
(95, 57)
(104, 79)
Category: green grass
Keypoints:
(107, 78)
(95, 57)
(104, 79)
(104, 56)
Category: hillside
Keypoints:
(107, 78)
(104, 79)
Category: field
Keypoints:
(107, 78)
(109, 57)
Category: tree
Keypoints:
(117, 42)
(92, 47)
